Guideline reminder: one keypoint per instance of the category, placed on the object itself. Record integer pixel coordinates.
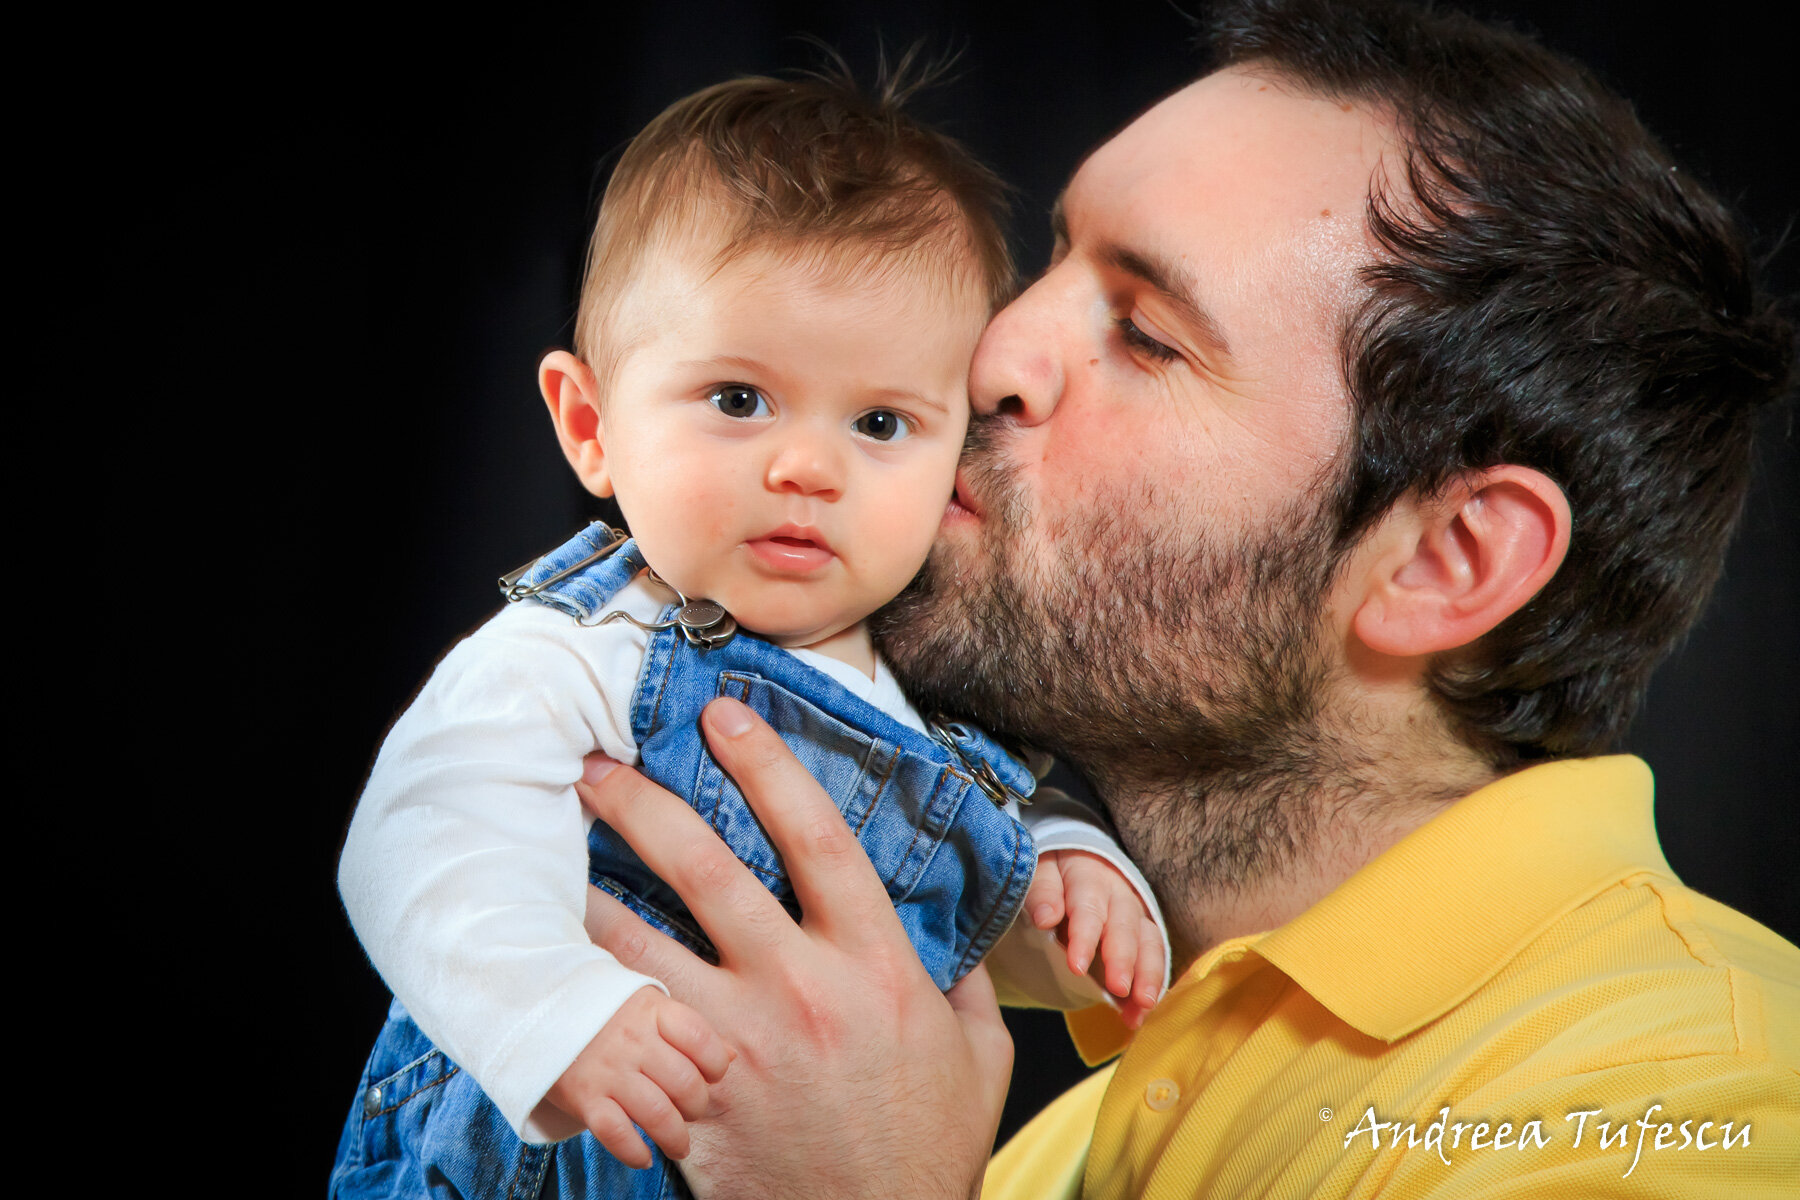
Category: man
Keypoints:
(1379, 422)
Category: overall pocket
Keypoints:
(404, 1078)
(854, 768)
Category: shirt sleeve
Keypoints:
(465, 867)
(1029, 966)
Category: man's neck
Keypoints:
(1232, 856)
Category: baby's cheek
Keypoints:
(907, 536)
(718, 513)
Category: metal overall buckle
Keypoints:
(982, 772)
(514, 591)
(704, 623)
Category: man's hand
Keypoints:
(853, 1076)
(648, 1066)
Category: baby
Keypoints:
(785, 287)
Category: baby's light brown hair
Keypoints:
(811, 167)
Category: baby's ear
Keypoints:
(573, 398)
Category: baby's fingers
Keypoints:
(611, 1127)
(1147, 987)
(1132, 1013)
(1086, 923)
(1044, 899)
(693, 1035)
(674, 1073)
(647, 1104)
(1120, 949)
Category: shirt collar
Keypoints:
(1439, 913)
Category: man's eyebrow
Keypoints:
(1175, 284)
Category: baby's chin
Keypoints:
(791, 637)
(846, 642)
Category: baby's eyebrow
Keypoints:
(906, 396)
(749, 365)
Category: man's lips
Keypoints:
(792, 549)
(961, 498)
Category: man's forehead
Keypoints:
(1238, 152)
(1251, 188)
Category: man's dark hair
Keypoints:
(1554, 293)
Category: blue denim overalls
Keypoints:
(929, 815)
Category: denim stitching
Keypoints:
(893, 761)
(981, 933)
(662, 688)
(712, 818)
(744, 683)
(531, 1156)
(918, 832)
(441, 1079)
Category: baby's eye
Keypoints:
(739, 400)
(881, 424)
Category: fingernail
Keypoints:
(596, 767)
(729, 717)
(1040, 916)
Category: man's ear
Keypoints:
(1447, 569)
(573, 397)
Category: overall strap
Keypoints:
(580, 575)
(996, 771)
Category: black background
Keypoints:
(318, 262)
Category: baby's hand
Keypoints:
(649, 1066)
(1089, 902)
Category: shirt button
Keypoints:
(371, 1102)
(1162, 1094)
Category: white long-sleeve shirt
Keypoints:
(465, 868)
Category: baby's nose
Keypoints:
(811, 465)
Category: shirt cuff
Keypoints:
(524, 1069)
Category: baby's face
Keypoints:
(784, 440)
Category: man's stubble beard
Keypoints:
(1182, 677)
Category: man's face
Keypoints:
(1135, 571)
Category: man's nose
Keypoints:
(809, 462)
(1017, 371)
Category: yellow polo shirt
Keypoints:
(1518, 999)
